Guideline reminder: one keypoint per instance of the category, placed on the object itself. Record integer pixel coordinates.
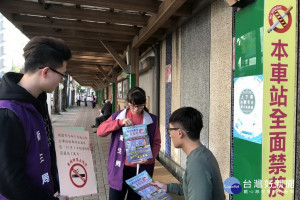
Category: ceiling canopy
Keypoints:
(99, 32)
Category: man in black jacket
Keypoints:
(28, 168)
(106, 112)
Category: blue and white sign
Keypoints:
(248, 106)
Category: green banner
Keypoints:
(248, 98)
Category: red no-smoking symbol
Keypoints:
(78, 175)
(280, 19)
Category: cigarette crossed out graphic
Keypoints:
(79, 175)
(280, 18)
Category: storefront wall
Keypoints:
(176, 84)
(146, 79)
(162, 97)
(146, 82)
(221, 85)
(201, 78)
(195, 58)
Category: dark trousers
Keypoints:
(78, 102)
(128, 172)
(100, 119)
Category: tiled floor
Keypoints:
(84, 117)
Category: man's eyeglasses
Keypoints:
(174, 129)
(63, 76)
(136, 106)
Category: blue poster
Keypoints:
(137, 143)
(141, 185)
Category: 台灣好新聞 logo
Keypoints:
(232, 185)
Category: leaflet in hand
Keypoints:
(141, 185)
(137, 143)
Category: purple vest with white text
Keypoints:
(38, 161)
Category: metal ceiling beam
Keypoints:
(148, 6)
(82, 69)
(134, 5)
(166, 9)
(116, 64)
(68, 12)
(114, 54)
(74, 25)
(43, 3)
(117, 46)
(92, 59)
(184, 11)
(83, 74)
(80, 43)
(104, 62)
(99, 85)
(82, 35)
(104, 73)
(100, 80)
(94, 49)
(89, 55)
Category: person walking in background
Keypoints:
(94, 100)
(85, 99)
(119, 169)
(202, 179)
(78, 99)
(28, 168)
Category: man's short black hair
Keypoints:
(43, 51)
(190, 119)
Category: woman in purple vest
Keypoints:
(119, 169)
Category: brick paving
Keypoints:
(84, 116)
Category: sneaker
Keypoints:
(93, 126)
(95, 131)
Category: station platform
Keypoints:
(84, 116)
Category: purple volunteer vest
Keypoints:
(116, 159)
(38, 161)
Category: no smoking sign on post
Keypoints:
(280, 19)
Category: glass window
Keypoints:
(125, 88)
(120, 92)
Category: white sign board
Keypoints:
(248, 94)
(74, 162)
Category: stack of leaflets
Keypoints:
(141, 185)
(137, 143)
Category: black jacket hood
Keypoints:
(10, 90)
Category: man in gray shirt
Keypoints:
(202, 179)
